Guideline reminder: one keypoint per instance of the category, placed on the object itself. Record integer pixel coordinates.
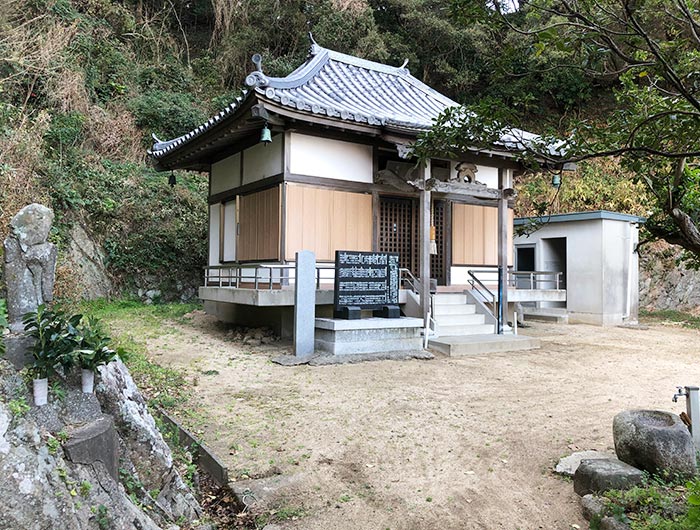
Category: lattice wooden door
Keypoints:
(438, 265)
(398, 230)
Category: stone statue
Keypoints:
(30, 263)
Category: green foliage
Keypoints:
(166, 114)
(66, 131)
(102, 517)
(657, 505)
(53, 444)
(668, 315)
(18, 407)
(93, 344)
(55, 337)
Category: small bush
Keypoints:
(166, 114)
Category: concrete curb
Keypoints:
(204, 456)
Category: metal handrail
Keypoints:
(534, 280)
(234, 274)
(408, 277)
(480, 286)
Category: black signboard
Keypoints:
(368, 280)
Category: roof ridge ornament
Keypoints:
(402, 69)
(315, 48)
(257, 78)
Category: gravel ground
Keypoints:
(463, 443)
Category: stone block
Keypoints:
(592, 506)
(655, 441)
(603, 474)
(96, 441)
(610, 523)
(18, 349)
(568, 465)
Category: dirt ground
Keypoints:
(451, 443)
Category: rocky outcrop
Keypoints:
(655, 441)
(664, 283)
(144, 444)
(58, 462)
(87, 261)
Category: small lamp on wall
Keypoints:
(265, 135)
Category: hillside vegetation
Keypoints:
(84, 83)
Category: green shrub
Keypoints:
(65, 131)
(167, 114)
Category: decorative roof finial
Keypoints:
(257, 78)
(257, 61)
(315, 48)
(405, 62)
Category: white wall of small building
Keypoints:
(328, 158)
(226, 174)
(601, 267)
(263, 160)
(214, 223)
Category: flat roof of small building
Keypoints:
(581, 216)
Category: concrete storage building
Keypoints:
(596, 254)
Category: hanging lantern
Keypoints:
(265, 135)
(556, 180)
(171, 180)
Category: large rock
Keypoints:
(655, 441)
(144, 443)
(603, 474)
(43, 490)
(89, 271)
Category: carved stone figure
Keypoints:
(466, 172)
(30, 262)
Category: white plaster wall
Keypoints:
(263, 160)
(214, 234)
(230, 231)
(226, 174)
(327, 158)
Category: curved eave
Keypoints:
(196, 150)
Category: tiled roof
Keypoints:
(346, 88)
(338, 86)
(342, 86)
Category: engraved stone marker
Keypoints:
(304, 303)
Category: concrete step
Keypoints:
(454, 309)
(368, 346)
(481, 344)
(460, 330)
(450, 298)
(463, 320)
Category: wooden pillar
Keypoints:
(424, 241)
(502, 251)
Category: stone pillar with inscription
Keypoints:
(304, 303)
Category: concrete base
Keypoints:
(480, 344)
(368, 335)
(543, 314)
